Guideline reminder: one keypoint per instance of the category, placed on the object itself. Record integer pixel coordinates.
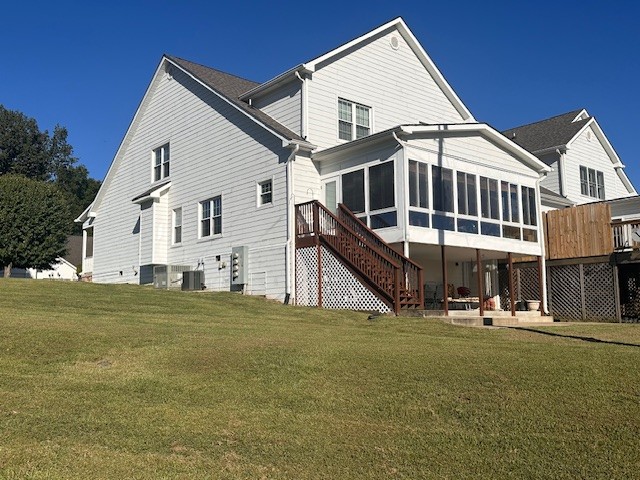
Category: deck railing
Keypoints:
(394, 277)
(624, 235)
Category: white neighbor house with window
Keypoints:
(212, 162)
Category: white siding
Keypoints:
(215, 150)
(394, 83)
(591, 154)
(306, 180)
(283, 105)
(552, 180)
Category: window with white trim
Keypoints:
(177, 226)
(354, 120)
(161, 162)
(265, 192)
(591, 182)
(211, 217)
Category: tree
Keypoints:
(25, 150)
(34, 216)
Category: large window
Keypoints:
(381, 191)
(211, 217)
(442, 189)
(510, 204)
(529, 212)
(161, 162)
(591, 183)
(353, 191)
(354, 120)
(177, 225)
(489, 198)
(418, 184)
(467, 197)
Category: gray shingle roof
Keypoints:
(552, 132)
(231, 87)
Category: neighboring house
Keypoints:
(593, 263)
(584, 166)
(216, 170)
(62, 269)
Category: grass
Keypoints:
(103, 381)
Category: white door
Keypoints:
(330, 193)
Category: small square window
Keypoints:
(265, 192)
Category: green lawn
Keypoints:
(122, 382)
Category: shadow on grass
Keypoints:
(575, 337)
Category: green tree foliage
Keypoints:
(34, 223)
(25, 150)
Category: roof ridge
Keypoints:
(173, 57)
(546, 119)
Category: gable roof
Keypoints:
(402, 28)
(483, 129)
(553, 132)
(230, 87)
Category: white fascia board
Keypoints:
(403, 29)
(153, 195)
(269, 85)
(583, 114)
(86, 213)
(363, 142)
(134, 122)
(528, 158)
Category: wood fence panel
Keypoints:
(582, 231)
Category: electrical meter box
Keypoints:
(239, 265)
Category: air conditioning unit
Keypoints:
(193, 280)
(168, 276)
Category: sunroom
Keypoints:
(462, 201)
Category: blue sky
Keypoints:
(86, 65)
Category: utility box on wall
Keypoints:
(239, 265)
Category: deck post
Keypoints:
(541, 285)
(445, 280)
(316, 232)
(512, 294)
(480, 284)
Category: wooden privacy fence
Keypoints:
(582, 231)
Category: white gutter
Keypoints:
(290, 260)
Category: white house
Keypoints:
(212, 162)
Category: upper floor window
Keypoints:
(161, 162)
(510, 204)
(354, 120)
(418, 184)
(489, 198)
(529, 211)
(467, 199)
(591, 183)
(265, 192)
(442, 188)
(211, 217)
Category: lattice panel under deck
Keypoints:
(599, 300)
(341, 289)
(566, 302)
(529, 284)
(307, 276)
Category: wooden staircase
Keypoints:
(391, 276)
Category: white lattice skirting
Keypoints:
(341, 289)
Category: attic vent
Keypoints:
(168, 71)
(395, 43)
(589, 135)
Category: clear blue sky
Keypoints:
(86, 65)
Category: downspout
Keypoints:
(561, 172)
(304, 107)
(544, 305)
(289, 260)
(405, 198)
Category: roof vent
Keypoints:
(589, 135)
(395, 43)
